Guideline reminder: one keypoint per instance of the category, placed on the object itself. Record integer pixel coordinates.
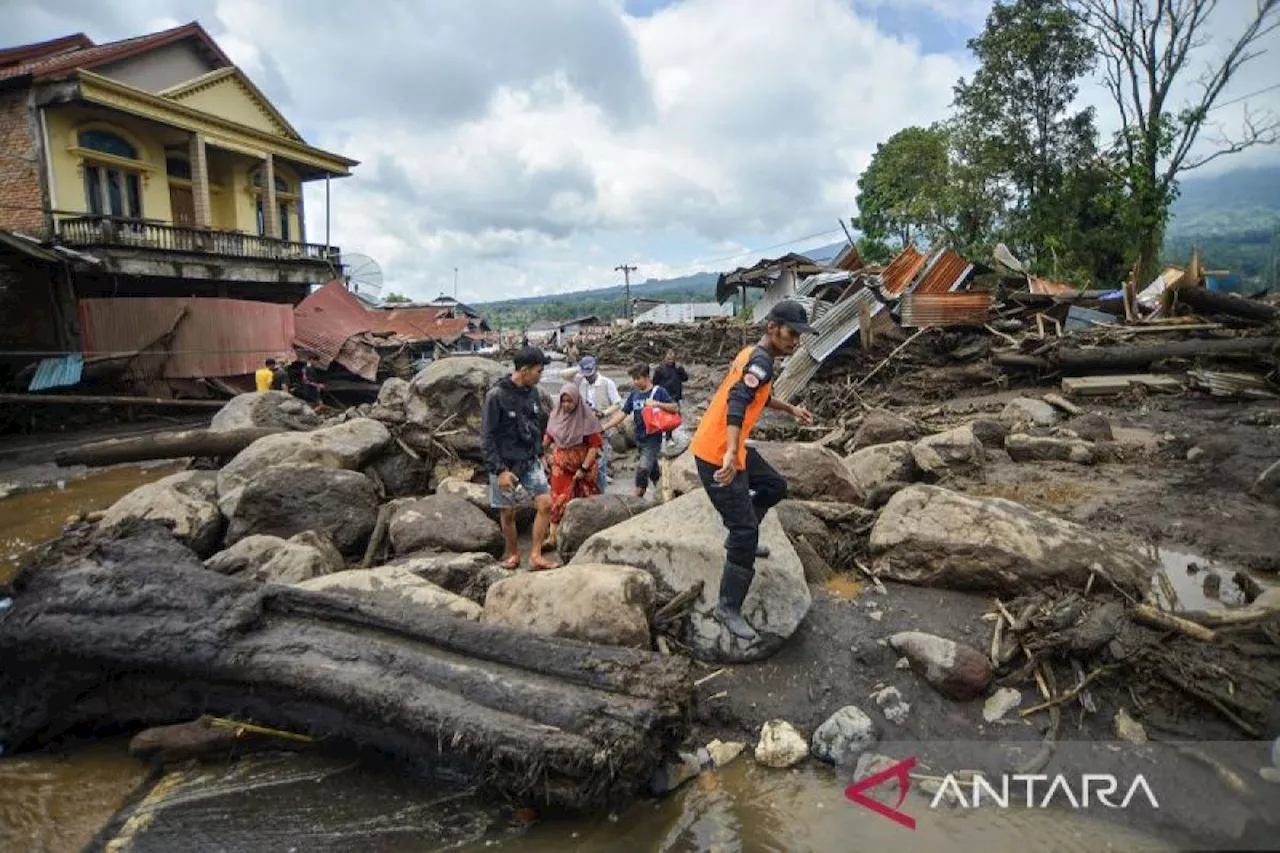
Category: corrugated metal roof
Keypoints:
(411, 322)
(837, 325)
(684, 312)
(1045, 287)
(945, 309)
(206, 337)
(325, 319)
(945, 272)
(1220, 384)
(57, 372)
(902, 270)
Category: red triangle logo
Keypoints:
(898, 771)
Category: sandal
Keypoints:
(512, 562)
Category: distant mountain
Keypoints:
(610, 301)
(1232, 219)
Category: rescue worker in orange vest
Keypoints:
(741, 485)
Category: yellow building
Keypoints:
(159, 158)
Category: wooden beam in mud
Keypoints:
(105, 400)
(164, 445)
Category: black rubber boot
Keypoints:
(734, 583)
(762, 551)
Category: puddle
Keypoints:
(37, 516)
(844, 587)
(1199, 583)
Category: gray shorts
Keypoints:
(534, 483)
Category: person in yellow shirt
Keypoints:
(265, 377)
(741, 485)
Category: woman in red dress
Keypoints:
(572, 443)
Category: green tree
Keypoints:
(900, 201)
(1016, 128)
(1148, 47)
(396, 299)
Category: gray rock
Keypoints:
(401, 583)
(1092, 427)
(608, 605)
(1028, 448)
(186, 502)
(346, 446)
(290, 499)
(1268, 599)
(780, 745)
(399, 473)
(892, 705)
(1195, 454)
(1000, 703)
(844, 736)
(811, 538)
(455, 386)
(264, 409)
(991, 433)
(934, 537)
(443, 523)
(270, 559)
(871, 763)
(585, 517)
(882, 470)
(881, 427)
(1026, 411)
(954, 450)
(681, 475)
(476, 494)
(812, 472)
(1267, 487)
(681, 543)
(468, 575)
(955, 670)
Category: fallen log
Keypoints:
(163, 445)
(128, 628)
(105, 400)
(1149, 615)
(1083, 360)
(1207, 301)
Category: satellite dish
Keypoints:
(362, 274)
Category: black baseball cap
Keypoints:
(530, 356)
(792, 314)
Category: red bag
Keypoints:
(657, 421)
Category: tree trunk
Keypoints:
(1212, 302)
(164, 445)
(1076, 361)
(130, 628)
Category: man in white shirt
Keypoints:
(601, 394)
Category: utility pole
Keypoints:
(626, 275)
(455, 284)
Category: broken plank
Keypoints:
(1148, 615)
(1095, 386)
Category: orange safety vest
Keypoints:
(711, 440)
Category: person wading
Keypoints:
(741, 485)
(511, 427)
(572, 441)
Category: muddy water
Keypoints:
(1202, 584)
(279, 803)
(28, 519)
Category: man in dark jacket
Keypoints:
(671, 376)
(511, 427)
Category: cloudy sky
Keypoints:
(534, 145)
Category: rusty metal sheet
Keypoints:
(359, 357)
(944, 272)
(325, 319)
(945, 309)
(412, 323)
(1045, 287)
(187, 337)
(902, 270)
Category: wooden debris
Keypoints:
(1081, 360)
(104, 400)
(1094, 386)
(163, 445)
(1060, 402)
(1207, 301)
(1159, 619)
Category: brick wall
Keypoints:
(21, 200)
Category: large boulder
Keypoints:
(455, 386)
(400, 474)
(881, 427)
(956, 450)
(1267, 487)
(1025, 412)
(1092, 427)
(812, 539)
(347, 446)
(882, 470)
(468, 575)
(476, 494)
(270, 559)
(681, 543)
(609, 605)
(399, 582)
(680, 475)
(931, 536)
(264, 409)
(443, 523)
(186, 501)
(585, 517)
(289, 499)
(812, 472)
